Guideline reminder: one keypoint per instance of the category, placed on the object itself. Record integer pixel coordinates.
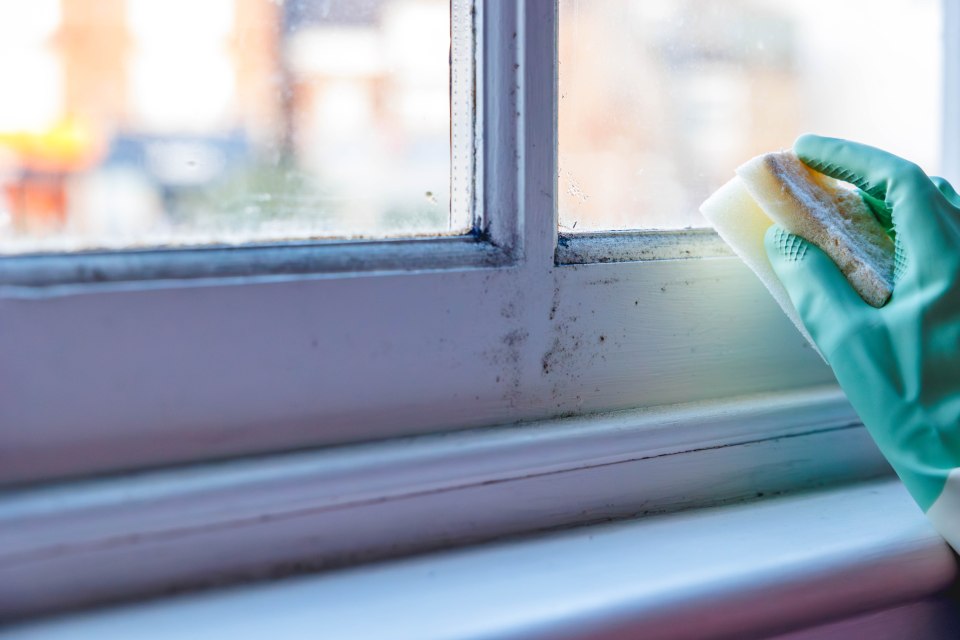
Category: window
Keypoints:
(118, 360)
(660, 100)
(169, 356)
(146, 123)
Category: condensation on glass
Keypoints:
(139, 123)
(660, 100)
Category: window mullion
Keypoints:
(498, 120)
(538, 127)
(949, 150)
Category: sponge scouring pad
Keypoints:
(824, 212)
(779, 188)
(742, 224)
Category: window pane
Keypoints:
(131, 123)
(661, 99)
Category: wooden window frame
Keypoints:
(131, 360)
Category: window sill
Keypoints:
(79, 544)
(756, 569)
(628, 246)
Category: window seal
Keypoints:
(633, 246)
(246, 261)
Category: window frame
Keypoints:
(440, 347)
(260, 362)
(96, 541)
(350, 342)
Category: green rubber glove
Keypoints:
(898, 365)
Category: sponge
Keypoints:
(777, 188)
(742, 224)
(821, 210)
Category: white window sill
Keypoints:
(130, 537)
(755, 569)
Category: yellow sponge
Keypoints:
(778, 188)
(828, 214)
(742, 224)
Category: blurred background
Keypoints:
(128, 123)
(660, 100)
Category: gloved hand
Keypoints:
(899, 365)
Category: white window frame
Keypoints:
(129, 360)
(117, 366)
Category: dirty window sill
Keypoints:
(761, 568)
(134, 536)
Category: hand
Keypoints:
(899, 365)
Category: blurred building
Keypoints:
(136, 121)
(661, 100)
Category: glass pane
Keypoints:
(131, 123)
(660, 100)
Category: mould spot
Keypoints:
(551, 358)
(515, 338)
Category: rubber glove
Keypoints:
(898, 365)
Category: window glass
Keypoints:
(129, 123)
(660, 100)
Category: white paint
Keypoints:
(147, 374)
(190, 372)
(732, 572)
(743, 224)
(930, 619)
(134, 535)
(950, 112)
(118, 377)
(944, 513)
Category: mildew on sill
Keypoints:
(247, 261)
(632, 246)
